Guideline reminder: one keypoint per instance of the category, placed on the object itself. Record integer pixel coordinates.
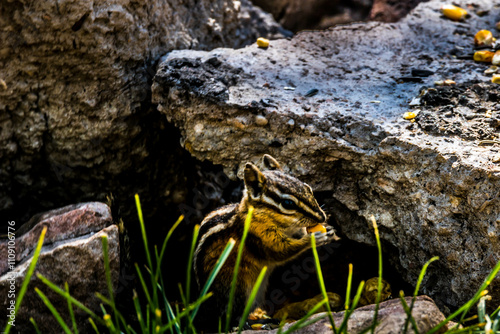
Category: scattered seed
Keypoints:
(453, 12)
(496, 58)
(496, 158)
(375, 101)
(289, 88)
(491, 70)
(483, 38)
(262, 42)
(3, 84)
(409, 115)
(311, 92)
(496, 78)
(484, 56)
(447, 82)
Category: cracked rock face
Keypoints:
(72, 253)
(75, 118)
(329, 106)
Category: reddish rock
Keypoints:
(72, 253)
(65, 223)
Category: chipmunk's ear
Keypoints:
(270, 163)
(254, 180)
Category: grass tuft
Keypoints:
(155, 314)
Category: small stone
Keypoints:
(291, 122)
(415, 101)
(261, 120)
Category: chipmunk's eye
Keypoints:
(288, 204)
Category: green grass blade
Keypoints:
(33, 322)
(379, 285)
(415, 293)
(143, 230)
(190, 264)
(186, 311)
(143, 284)
(496, 323)
(218, 265)
(164, 246)
(322, 282)
(140, 317)
(237, 267)
(303, 322)
(348, 291)
(70, 310)
(107, 270)
(251, 299)
(347, 314)
(27, 278)
(74, 301)
(119, 316)
(53, 310)
(422, 274)
(109, 323)
(409, 316)
(154, 295)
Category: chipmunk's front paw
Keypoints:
(321, 238)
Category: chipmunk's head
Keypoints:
(281, 198)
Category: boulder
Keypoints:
(72, 253)
(75, 117)
(329, 106)
(391, 318)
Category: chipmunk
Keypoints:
(284, 207)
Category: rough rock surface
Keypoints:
(338, 125)
(75, 120)
(73, 256)
(298, 15)
(391, 318)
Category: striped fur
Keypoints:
(283, 208)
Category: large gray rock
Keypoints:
(75, 119)
(391, 318)
(433, 190)
(72, 253)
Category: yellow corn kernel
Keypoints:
(453, 12)
(316, 228)
(483, 37)
(496, 79)
(409, 115)
(262, 42)
(484, 56)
